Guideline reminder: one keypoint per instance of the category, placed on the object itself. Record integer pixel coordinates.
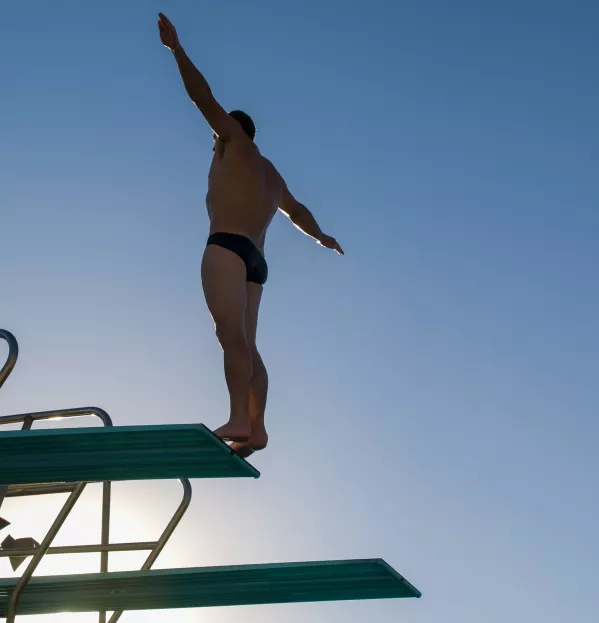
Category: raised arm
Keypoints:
(303, 219)
(196, 86)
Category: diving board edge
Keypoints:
(397, 575)
(233, 453)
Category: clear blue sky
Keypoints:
(434, 393)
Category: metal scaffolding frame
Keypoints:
(74, 489)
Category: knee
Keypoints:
(231, 338)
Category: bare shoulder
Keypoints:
(272, 171)
(268, 164)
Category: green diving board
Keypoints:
(117, 453)
(209, 586)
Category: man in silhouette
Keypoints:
(245, 191)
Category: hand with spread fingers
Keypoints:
(168, 34)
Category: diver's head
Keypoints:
(245, 121)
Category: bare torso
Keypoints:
(244, 190)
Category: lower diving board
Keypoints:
(117, 453)
(210, 586)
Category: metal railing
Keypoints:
(45, 548)
(13, 354)
(27, 420)
(74, 490)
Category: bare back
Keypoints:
(244, 190)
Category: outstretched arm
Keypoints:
(196, 86)
(304, 220)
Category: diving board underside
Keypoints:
(117, 453)
(210, 586)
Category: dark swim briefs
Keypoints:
(255, 264)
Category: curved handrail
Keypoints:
(57, 414)
(13, 354)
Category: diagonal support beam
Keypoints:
(43, 548)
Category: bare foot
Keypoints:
(257, 441)
(259, 437)
(234, 432)
(242, 449)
